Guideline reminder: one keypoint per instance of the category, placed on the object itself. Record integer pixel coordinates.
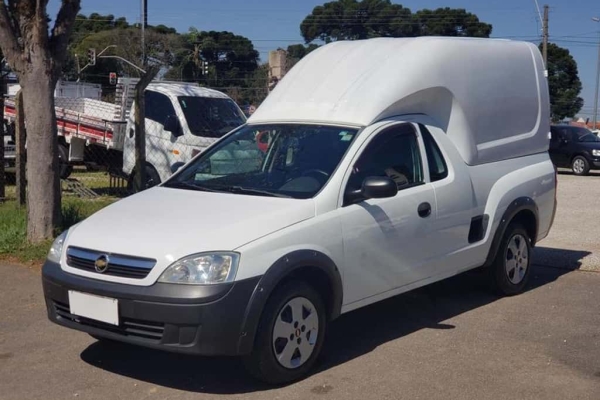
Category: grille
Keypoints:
(118, 265)
(127, 327)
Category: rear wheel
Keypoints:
(290, 335)
(65, 168)
(580, 166)
(512, 266)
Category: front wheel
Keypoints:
(512, 265)
(580, 166)
(290, 335)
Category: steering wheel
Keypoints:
(316, 171)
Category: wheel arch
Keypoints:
(523, 210)
(578, 154)
(311, 266)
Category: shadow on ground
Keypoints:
(592, 173)
(351, 336)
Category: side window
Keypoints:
(438, 169)
(158, 106)
(393, 153)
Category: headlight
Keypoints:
(202, 269)
(56, 249)
(596, 153)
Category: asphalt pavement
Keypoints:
(451, 340)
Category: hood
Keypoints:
(166, 224)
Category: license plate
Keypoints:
(98, 308)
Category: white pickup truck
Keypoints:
(375, 167)
(182, 119)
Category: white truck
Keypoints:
(182, 119)
(375, 167)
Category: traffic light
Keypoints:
(92, 56)
(204, 67)
(112, 77)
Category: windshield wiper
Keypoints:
(259, 192)
(190, 186)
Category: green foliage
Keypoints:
(13, 227)
(564, 83)
(451, 22)
(298, 51)
(232, 61)
(354, 19)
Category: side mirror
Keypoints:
(172, 125)
(377, 187)
(372, 188)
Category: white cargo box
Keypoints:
(489, 95)
(73, 90)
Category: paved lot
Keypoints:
(450, 340)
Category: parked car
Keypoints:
(574, 147)
(384, 170)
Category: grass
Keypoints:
(13, 227)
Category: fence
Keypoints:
(97, 139)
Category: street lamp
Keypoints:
(597, 19)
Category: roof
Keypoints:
(186, 89)
(462, 83)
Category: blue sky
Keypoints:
(275, 23)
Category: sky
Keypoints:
(276, 23)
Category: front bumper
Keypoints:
(204, 320)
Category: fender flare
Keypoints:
(515, 207)
(281, 269)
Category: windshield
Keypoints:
(209, 116)
(282, 160)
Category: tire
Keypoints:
(152, 179)
(296, 360)
(511, 268)
(63, 161)
(580, 166)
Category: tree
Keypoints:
(451, 22)
(36, 54)
(564, 83)
(298, 51)
(354, 19)
(231, 59)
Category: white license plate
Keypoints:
(98, 308)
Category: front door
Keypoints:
(387, 241)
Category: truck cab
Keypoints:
(181, 121)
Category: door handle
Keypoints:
(424, 210)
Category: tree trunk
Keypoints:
(20, 139)
(43, 194)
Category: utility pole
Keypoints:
(545, 33)
(144, 26)
(595, 126)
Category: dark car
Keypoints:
(575, 148)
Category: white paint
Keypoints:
(487, 94)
